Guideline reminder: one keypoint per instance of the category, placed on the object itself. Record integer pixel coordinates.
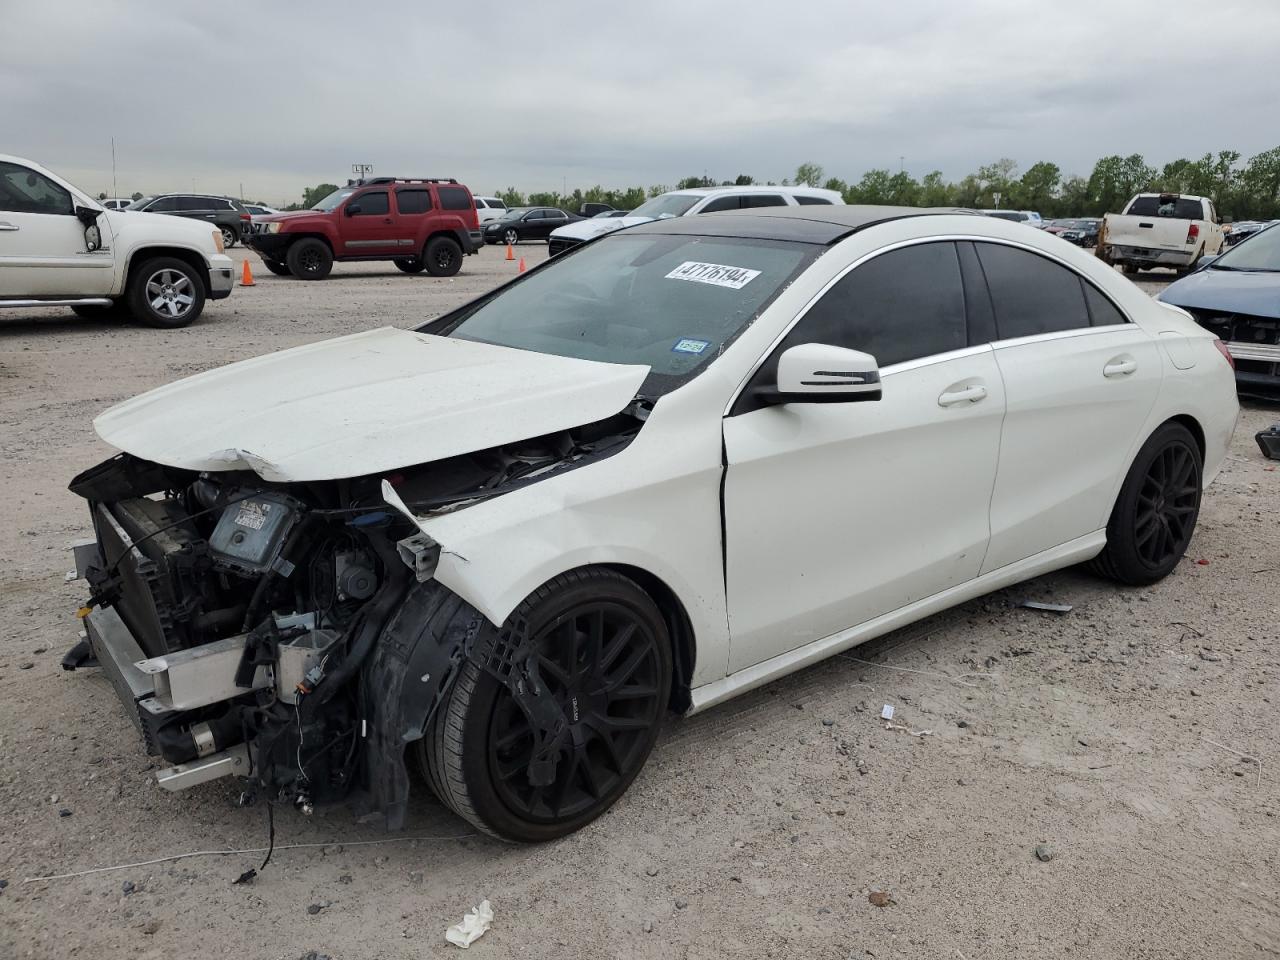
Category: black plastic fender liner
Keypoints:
(416, 661)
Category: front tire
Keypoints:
(165, 292)
(511, 236)
(310, 259)
(605, 658)
(1155, 514)
(443, 257)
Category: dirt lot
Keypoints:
(1110, 734)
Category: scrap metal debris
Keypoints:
(1048, 607)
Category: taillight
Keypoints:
(245, 216)
(1222, 349)
(1193, 233)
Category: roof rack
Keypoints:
(369, 181)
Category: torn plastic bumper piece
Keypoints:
(1269, 441)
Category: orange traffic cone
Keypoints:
(521, 268)
(246, 276)
(511, 254)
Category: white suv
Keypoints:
(61, 248)
(489, 209)
(685, 203)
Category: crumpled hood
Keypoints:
(1227, 291)
(590, 229)
(363, 404)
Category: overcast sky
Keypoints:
(279, 96)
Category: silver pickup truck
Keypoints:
(1161, 230)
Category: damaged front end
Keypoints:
(280, 632)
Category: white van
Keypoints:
(686, 203)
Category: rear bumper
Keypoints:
(474, 241)
(1152, 255)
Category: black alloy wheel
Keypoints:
(442, 257)
(603, 656)
(1155, 514)
(602, 667)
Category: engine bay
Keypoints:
(235, 616)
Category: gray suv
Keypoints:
(229, 215)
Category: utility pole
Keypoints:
(114, 191)
(901, 164)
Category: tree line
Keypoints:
(1247, 190)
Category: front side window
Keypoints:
(372, 204)
(670, 302)
(1031, 294)
(454, 198)
(805, 200)
(164, 205)
(22, 190)
(902, 305)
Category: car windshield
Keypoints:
(1260, 252)
(139, 203)
(667, 205)
(332, 200)
(669, 302)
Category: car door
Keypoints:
(1080, 381)
(42, 242)
(552, 219)
(368, 227)
(838, 513)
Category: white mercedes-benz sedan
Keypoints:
(667, 467)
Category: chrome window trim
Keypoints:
(921, 361)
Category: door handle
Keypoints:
(1119, 368)
(970, 394)
(386, 220)
(8, 227)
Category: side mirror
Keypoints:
(92, 235)
(353, 209)
(821, 373)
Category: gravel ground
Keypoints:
(1108, 739)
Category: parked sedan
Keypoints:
(1237, 297)
(1082, 232)
(682, 461)
(527, 223)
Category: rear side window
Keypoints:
(375, 204)
(413, 201)
(1031, 294)
(902, 305)
(454, 198)
(721, 203)
(811, 201)
(763, 200)
(1102, 311)
(1179, 208)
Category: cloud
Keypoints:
(277, 97)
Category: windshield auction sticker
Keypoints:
(716, 274)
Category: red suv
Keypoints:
(417, 224)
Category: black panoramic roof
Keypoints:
(816, 223)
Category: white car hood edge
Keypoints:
(363, 404)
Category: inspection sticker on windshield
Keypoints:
(716, 274)
(686, 345)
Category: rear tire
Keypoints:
(1155, 514)
(229, 237)
(1130, 269)
(309, 259)
(410, 264)
(165, 292)
(605, 657)
(443, 257)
